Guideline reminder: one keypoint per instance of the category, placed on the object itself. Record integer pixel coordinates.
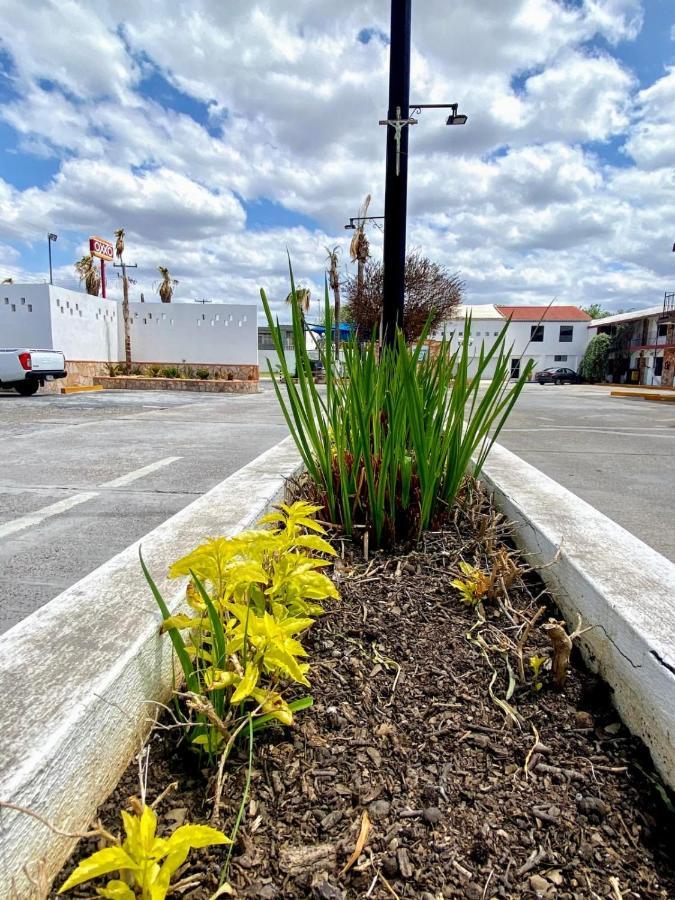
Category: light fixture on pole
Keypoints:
(51, 237)
(454, 118)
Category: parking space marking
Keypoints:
(46, 512)
(61, 506)
(123, 480)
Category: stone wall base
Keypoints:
(138, 383)
(82, 373)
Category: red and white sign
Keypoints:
(101, 248)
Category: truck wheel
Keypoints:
(28, 388)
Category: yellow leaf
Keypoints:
(110, 859)
(180, 621)
(314, 542)
(247, 683)
(360, 843)
(117, 890)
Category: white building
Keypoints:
(551, 336)
(91, 330)
(644, 344)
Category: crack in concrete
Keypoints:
(657, 656)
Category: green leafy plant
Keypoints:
(154, 371)
(203, 374)
(137, 370)
(250, 597)
(188, 372)
(171, 372)
(594, 362)
(390, 442)
(114, 369)
(145, 863)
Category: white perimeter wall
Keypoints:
(42, 316)
(24, 317)
(485, 331)
(217, 333)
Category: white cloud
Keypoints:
(513, 200)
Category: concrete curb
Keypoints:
(78, 676)
(614, 581)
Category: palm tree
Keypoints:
(7, 281)
(359, 249)
(166, 285)
(334, 281)
(302, 297)
(88, 273)
(119, 243)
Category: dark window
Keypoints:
(537, 333)
(566, 332)
(562, 358)
(663, 330)
(658, 365)
(515, 368)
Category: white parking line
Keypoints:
(35, 518)
(140, 473)
(61, 506)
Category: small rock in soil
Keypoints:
(432, 815)
(390, 866)
(404, 863)
(379, 809)
(593, 805)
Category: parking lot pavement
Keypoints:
(618, 455)
(85, 475)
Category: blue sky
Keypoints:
(221, 139)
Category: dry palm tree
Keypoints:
(302, 297)
(334, 281)
(166, 285)
(119, 243)
(89, 274)
(7, 281)
(359, 249)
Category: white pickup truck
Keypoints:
(25, 370)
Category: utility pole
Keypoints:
(125, 310)
(396, 189)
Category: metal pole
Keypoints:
(103, 279)
(396, 189)
(49, 244)
(125, 315)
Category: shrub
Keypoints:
(203, 374)
(170, 372)
(594, 362)
(389, 445)
(251, 595)
(188, 372)
(114, 369)
(154, 371)
(137, 370)
(230, 376)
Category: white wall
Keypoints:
(214, 333)
(24, 316)
(84, 327)
(87, 328)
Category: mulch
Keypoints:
(465, 799)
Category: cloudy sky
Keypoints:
(220, 133)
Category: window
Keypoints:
(537, 333)
(478, 334)
(658, 365)
(663, 330)
(566, 333)
(562, 358)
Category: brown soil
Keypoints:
(404, 728)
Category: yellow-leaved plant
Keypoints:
(251, 597)
(474, 586)
(144, 862)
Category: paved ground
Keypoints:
(85, 475)
(618, 455)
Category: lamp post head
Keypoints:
(51, 236)
(455, 118)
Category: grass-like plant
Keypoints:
(389, 440)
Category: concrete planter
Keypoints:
(80, 677)
(139, 383)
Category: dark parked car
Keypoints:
(557, 376)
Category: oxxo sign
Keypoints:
(101, 248)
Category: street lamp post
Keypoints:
(51, 237)
(396, 187)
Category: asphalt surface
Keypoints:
(85, 475)
(618, 455)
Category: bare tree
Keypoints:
(431, 293)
